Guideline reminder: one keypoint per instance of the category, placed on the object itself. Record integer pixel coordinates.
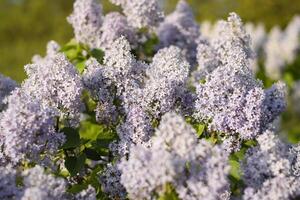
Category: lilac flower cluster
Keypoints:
(229, 46)
(276, 48)
(37, 184)
(8, 187)
(97, 82)
(110, 180)
(146, 91)
(34, 183)
(231, 100)
(28, 129)
(141, 13)
(56, 83)
(148, 170)
(269, 170)
(180, 29)
(167, 76)
(94, 29)
(86, 20)
(116, 25)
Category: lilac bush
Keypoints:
(140, 105)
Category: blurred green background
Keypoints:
(27, 25)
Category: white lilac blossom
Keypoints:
(296, 164)
(39, 185)
(56, 83)
(125, 73)
(120, 63)
(231, 100)
(278, 47)
(136, 129)
(144, 89)
(91, 27)
(167, 75)
(180, 29)
(141, 13)
(52, 48)
(268, 170)
(28, 129)
(114, 26)
(207, 59)
(275, 101)
(277, 188)
(155, 86)
(110, 181)
(230, 43)
(7, 85)
(96, 80)
(208, 173)
(230, 35)
(8, 187)
(87, 19)
(232, 143)
(148, 170)
(175, 135)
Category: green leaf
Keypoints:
(92, 154)
(149, 45)
(288, 79)
(103, 142)
(80, 65)
(98, 54)
(235, 169)
(170, 193)
(75, 164)
(93, 178)
(70, 163)
(72, 138)
(89, 130)
(71, 54)
(92, 131)
(101, 146)
(70, 45)
(200, 129)
(74, 189)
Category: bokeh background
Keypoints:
(27, 25)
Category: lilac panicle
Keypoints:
(180, 29)
(28, 129)
(86, 19)
(141, 13)
(56, 83)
